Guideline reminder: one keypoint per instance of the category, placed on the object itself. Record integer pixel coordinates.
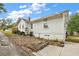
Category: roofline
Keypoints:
(54, 16)
(19, 19)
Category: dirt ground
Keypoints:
(26, 44)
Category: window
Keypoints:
(45, 25)
(31, 26)
(26, 29)
(22, 26)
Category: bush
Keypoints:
(14, 29)
(7, 33)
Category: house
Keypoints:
(52, 27)
(23, 26)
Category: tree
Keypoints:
(2, 9)
(6, 23)
(73, 25)
(3, 24)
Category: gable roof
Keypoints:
(19, 19)
(58, 15)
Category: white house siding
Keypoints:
(22, 23)
(55, 29)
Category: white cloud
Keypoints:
(77, 11)
(56, 12)
(35, 8)
(15, 16)
(70, 13)
(20, 13)
(38, 12)
(39, 7)
(23, 6)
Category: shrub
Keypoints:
(14, 29)
(7, 33)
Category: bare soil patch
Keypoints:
(27, 44)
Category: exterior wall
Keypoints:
(55, 30)
(22, 26)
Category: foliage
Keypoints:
(2, 9)
(14, 28)
(6, 23)
(3, 24)
(73, 25)
(7, 33)
(9, 23)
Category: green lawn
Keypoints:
(73, 39)
(7, 33)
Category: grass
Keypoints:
(7, 33)
(73, 39)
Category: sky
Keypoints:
(37, 10)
